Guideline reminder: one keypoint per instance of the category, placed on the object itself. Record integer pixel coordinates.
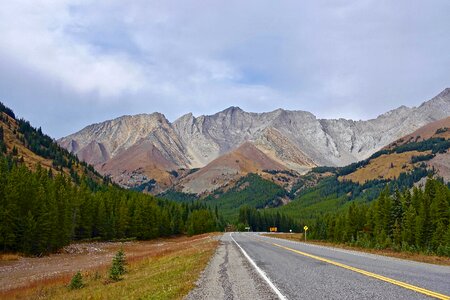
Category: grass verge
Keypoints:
(419, 257)
(170, 274)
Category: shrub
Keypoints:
(76, 282)
(118, 266)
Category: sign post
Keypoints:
(306, 229)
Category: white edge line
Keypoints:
(261, 272)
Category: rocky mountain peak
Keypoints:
(295, 139)
(444, 94)
(443, 98)
(232, 110)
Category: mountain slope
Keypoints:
(403, 156)
(439, 128)
(28, 145)
(228, 167)
(328, 189)
(48, 198)
(295, 139)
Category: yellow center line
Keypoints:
(367, 273)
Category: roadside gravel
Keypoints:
(229, 275)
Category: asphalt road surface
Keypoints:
(251, 266)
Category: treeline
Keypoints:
(2, 141)
(369, 190)
(7, 110)
(43, 145)
(41, 212)
(250, 190)
(435, 145)
(262, 220)
(407, 221)
(177, 196)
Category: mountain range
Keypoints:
(200, 154)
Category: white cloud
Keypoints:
(345, 59)
(34, 35)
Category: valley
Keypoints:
(395, 200)
(229, 150)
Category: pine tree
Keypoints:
(408, 227)
(123, 219)
(28, 244)
(439, 214)
(76, 282)
(397, 234)
(118, 266)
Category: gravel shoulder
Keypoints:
(229, 275)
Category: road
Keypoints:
(251, 266)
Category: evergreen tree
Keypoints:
(118, 266)
(76, 282)
(408, 227)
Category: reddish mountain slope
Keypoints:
(229, 167)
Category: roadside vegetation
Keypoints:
(385, 214)
(168, 272)
(417, 221)
(41, 212)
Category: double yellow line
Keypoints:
(369, 274)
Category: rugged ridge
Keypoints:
(295, 139)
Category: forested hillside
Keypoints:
(43, 208)
(402, 220)
(343, 186)
(262, 220)
(31, 147)
(250, 190)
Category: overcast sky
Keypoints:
(67, 64)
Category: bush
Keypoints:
(118, 266)
(76, 282)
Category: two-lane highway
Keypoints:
(252, 266)
(305, 271)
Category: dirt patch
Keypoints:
(33, 271)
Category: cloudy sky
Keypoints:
(67, 64)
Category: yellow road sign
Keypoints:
(306, 228)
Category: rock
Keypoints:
(296, 139)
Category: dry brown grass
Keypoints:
(287, 236)
(387, 166)
(11, 140)
(9, 257)
(161, 269)
(430, 259)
